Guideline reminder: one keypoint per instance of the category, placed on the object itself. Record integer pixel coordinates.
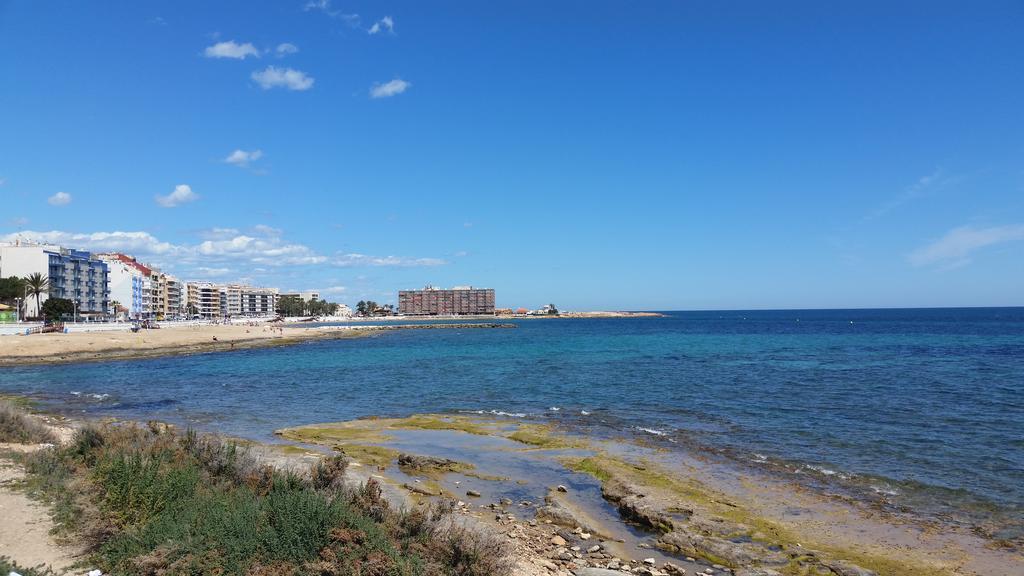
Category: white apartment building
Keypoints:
(129, 282)
(258, 301)
(211, 301)
(306, 296)
(204, 300)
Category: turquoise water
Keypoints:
(922, 408)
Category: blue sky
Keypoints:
(595, 154)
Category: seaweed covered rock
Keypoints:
(633, 505)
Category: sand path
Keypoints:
(26, 524)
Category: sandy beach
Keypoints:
(177, 340)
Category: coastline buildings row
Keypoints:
(97, 281)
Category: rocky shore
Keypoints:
(573, 505)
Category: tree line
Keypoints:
(296, 306)
(371, 308)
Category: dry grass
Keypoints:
(17, 427)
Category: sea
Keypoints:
(921, 409)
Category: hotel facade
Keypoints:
(75, 275)
(458, 301)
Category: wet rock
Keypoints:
(558, 514)
(419, 490)
(415, 462)
(649, 561)
(472, 493)
(844, 568)
(630, 500)
(597, 572)
(594, 548)
(737, 554)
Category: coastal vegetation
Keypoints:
(56, 308)
(8, 566)
(16, 427)
(371, 308)
(296, 306)
(146, 500)
(37, 284)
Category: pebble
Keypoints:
(472, 493)
(558, 540)
(562, 488)
(649, 561)
(594, 548)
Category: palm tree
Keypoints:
(37, 285)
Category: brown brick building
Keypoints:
(460, 300)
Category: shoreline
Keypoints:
(637, 501)
(104, 346)
(685, 503)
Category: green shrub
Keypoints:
(7, 566)
(152, 502)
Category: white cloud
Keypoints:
(207, 271)
(59, 199)
(269, 251)
(18, 222)
(333, 290)
(386, 23)
(231, 49)
(140, 243)
(242, 158)
(388, 89)
(955, 248)
(325, 6)
(224, 250)
(922, 188)
(182, 194)
(218, 233)
(351, 260)
(286, 48)
(274, 77)
(264, 230)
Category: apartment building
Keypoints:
(258, 301)
(460, 300)
(305, 296)
(75, 275)
(129, 281)
(204, 300)
(209, 300)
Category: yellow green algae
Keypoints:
(357, 439)
(605, 468)
(540, 436)
(22, 402)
